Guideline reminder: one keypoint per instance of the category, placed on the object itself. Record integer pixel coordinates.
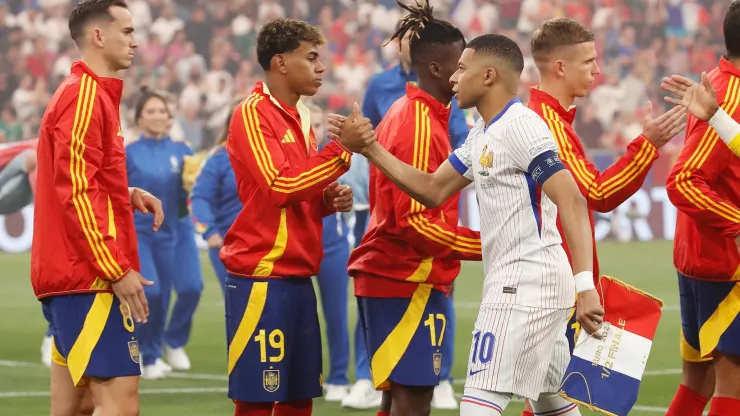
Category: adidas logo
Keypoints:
(288, 138)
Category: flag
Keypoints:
(604, 375)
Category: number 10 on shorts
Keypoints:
(482, 347)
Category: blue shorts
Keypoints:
(274, 340)
(404, 337)
(93, 336)
(709, 318)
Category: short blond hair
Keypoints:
(557, 33)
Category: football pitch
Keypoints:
(24, 381)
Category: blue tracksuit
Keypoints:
(382, 91)
(333, 284)
(156, 166)
(215, 203)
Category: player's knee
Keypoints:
(549, 402)
(699, 377)
(411, 400)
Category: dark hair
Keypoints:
(283, 36)
(427, 32)
(731, 29)
(501, 47)
(147, 94)
(556, 33)
(89, 10)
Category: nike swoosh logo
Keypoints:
(472, 373)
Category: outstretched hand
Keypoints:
(700, 99)
(662, 129)
(354, 132)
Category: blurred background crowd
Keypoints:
(203, 53)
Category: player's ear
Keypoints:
(559, 67)
(490, 75)
(278, 62)
(434, 69)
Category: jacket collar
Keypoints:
(112, 86)
(440, 110)
(302, 108)
(727, 67)
(538, 95)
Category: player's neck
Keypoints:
(429, 88)
(282, 92)
(493, 105)
(98, 66)
(559, 91)
(735, 62)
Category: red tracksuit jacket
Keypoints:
(83, 225)
(704, 185)
(604, 191)
(280, 178)
(407, 244)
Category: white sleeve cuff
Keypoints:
(727, 128)
(584, 281)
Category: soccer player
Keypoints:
(565, 54)
(703, 185)
(382, 91)
(274, 246)
(403, 297)
(84, 243)
(519, 345)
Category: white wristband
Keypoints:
(724, 125)
(584, 281)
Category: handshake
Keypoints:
(354, 132)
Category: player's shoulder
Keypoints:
(74, 89)
(520, 116)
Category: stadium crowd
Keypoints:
(203, 54)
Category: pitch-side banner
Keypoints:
(604, 374)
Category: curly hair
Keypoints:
(283, 36)
(426, 30)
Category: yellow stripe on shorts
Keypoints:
(394, 347)
(92, 329)
(252, 315)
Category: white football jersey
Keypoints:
(523, 260)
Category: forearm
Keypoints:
(415, 183)
(574, 217)
(612, 187)
(728, 130)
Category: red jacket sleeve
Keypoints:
(606, 190)
(689, 185)
(78, 157)
(255, 150)
(426, 229)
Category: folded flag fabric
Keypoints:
(604, 374)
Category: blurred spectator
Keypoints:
(202, 53)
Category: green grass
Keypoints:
(646, 265)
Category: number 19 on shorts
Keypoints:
(482, 347)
